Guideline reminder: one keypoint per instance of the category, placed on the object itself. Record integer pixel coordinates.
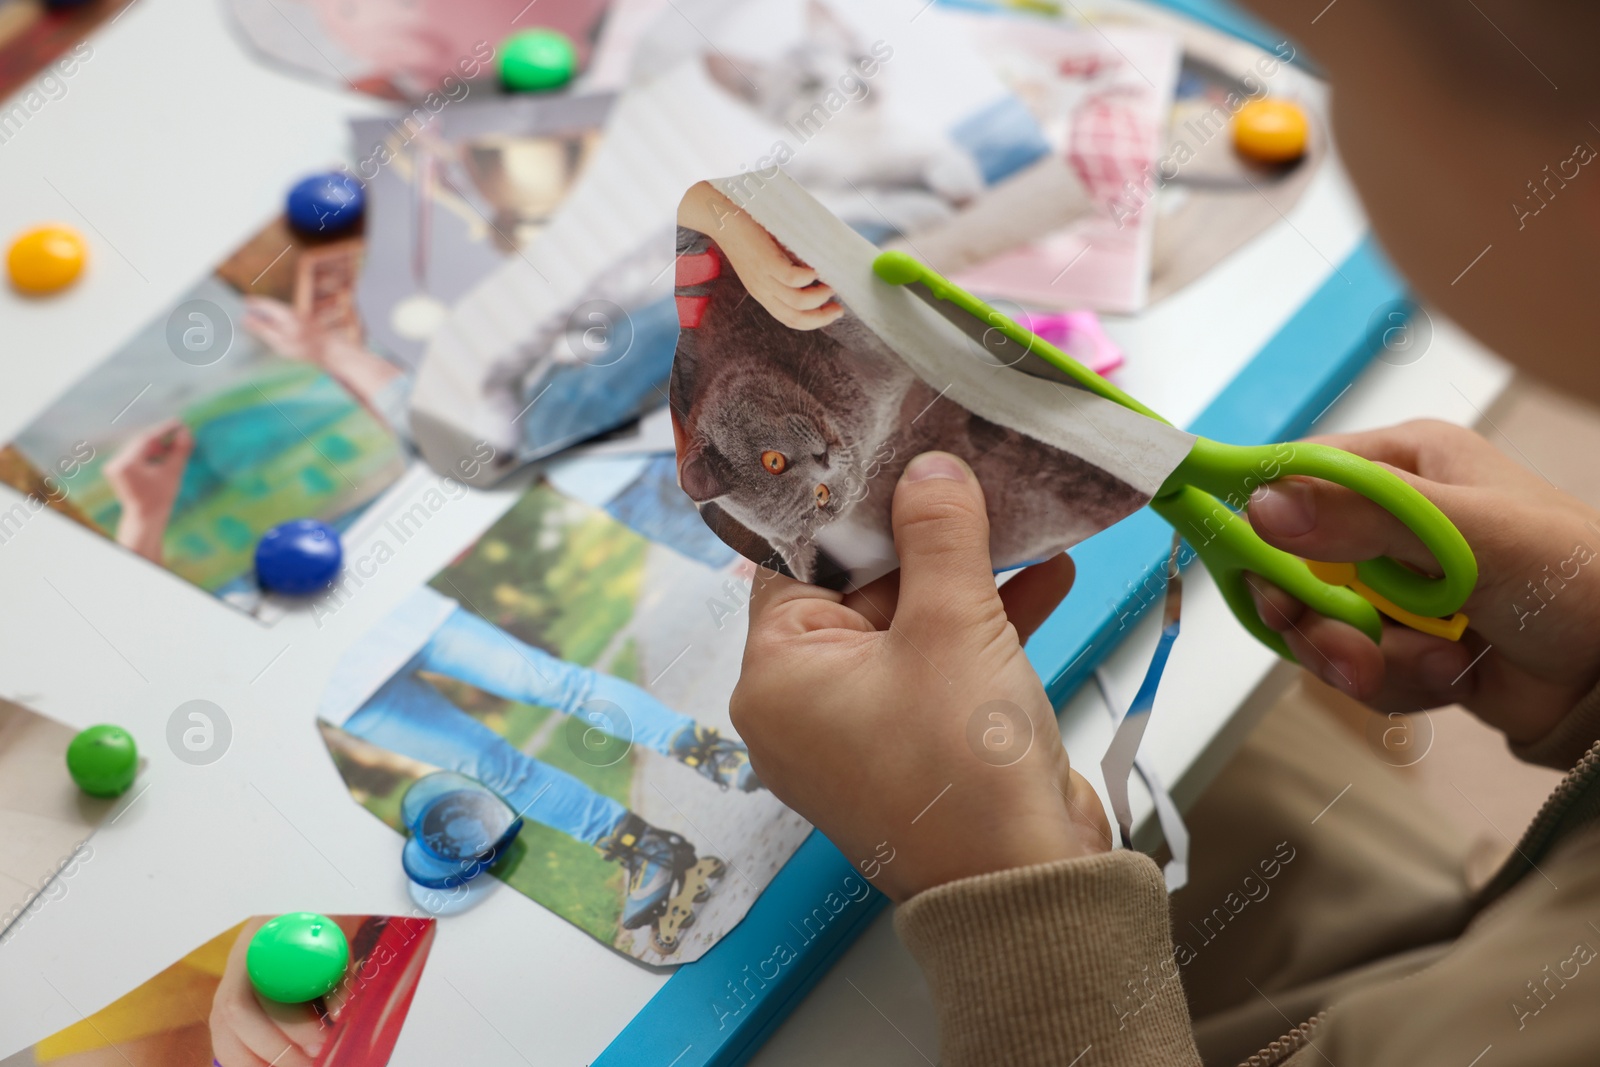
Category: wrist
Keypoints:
(986, 848)
(142, 535)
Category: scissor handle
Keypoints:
(1224, 541)
(1233, 472)
(1229, 547)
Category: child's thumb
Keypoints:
(941, 533)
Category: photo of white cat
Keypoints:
(796, 404)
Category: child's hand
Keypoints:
(1533, 649)
(247, 1031)
(786, 288)
(145, 476)
(904, 719)
(279, 327)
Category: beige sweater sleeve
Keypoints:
(1038, 965)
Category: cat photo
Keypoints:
(793, 416)
(873, 164)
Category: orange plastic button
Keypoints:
(1271, 131)
(46, 259)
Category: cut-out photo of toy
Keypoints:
(803, 386)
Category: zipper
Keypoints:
(1574, 802)
(1287, 1045)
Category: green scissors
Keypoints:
(1228, 545)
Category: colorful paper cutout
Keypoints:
(203, 1012)
(580, 667)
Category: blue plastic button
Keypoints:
(458, 829)
(325, 204)
(426, 869)
(298, 557)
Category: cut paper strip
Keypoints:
(1122, 755)
(795, 418)
(1173, 829)
(202, 1010)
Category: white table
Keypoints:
(169, 147)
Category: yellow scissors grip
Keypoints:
(1345, 574)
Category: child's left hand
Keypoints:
(904, 720)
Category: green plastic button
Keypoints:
(103, 760)
(297, 957)
(533, 61)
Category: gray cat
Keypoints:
(799, 438)
(869, 169)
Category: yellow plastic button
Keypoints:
(1271, 131)
(46, 259)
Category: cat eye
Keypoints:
(775, 462)
(822, 495)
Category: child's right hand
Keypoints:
(1533, 647)
(787, 289)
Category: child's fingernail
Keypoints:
(1286, 508)
(1339, 675)
(931, 465)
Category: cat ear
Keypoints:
(703, 473)
(731, 76)
(825, 25)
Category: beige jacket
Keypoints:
(1350, 933)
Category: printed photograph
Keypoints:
(452, 195)
(575, 336)
(45, 39)
(579, 668)
(251, 401)
(1216, 200)
(894, 141)
(794, 417)
(45, 819)
(1141, 191)
(203, 1012)
(403, 51)
(1074, 230)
